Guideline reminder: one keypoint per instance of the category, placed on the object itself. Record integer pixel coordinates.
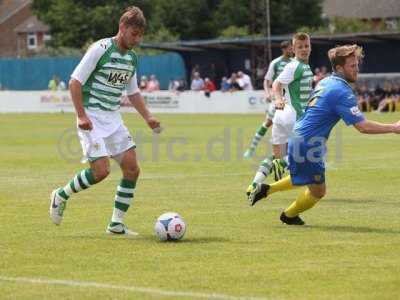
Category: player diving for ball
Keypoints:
(333, 99)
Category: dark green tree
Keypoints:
(74, 23)
(190, 19)
(286, 16)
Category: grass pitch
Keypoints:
(348, 250)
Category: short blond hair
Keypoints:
(338, 55)
(133, 17)
(300, 36)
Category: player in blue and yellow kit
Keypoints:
(333, 99)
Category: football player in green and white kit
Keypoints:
(274, 69)
(107, 70)
(296, 80)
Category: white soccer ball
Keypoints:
(170, 227)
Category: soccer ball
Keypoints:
(170, 227)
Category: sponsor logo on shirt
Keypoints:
(117, 77)
(355, 111)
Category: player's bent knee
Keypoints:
(318, 194)
(101, 173)
(132, 172)
(317, 191)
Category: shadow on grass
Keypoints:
(353, 201)
(147, 238)
(363, 201)
(205, 240)
(352, 229)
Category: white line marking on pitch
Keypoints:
(136, 289)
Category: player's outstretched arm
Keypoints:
(138, 103)
(372, 127)
(75, 88)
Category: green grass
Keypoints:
(349, 250)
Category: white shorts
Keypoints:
(270, 112)
(282, 126)
(98, 142)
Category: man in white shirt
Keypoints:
(244, 81)
(197, 82)
(106, 71)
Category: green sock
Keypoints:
(81, 181)
(123, 199)
(261, 131)
(263, 170)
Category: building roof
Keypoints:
(362, 9)
(10, 7)
(32, 24)
(246, 42)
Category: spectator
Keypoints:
(143, 83)
(197, 82)
(324, 71)
(182, 85)
(377, 98)
(233, 84)
(153, 84)
(317, 76)
(212, 73)
(364, 98)
(225, 86)
(173, 85)
(209, 85)
(53, 83)
(244, 81)
(196, 69)
(390, 98)
(62, 86)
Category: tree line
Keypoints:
(77, 23)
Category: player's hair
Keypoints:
(133, 16)
(300, 36)
(285, 44)
(338, 55)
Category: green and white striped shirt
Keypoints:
(105, 72)
(276, 67)
(296, 79)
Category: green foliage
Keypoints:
(160, 35)
(190, 19)
(345, 25)
(231, 13)
(75, 22)
(234, 31)
(292, 13)
(285, 16)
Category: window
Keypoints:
(46, 37)
(32, 41)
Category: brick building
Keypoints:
(21, 32)
(382, 13)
